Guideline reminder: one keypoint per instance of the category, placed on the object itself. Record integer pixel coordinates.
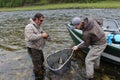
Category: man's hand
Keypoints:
(44, 35)
(75, 48)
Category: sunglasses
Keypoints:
(41, 20)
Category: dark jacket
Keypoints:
(92, 34)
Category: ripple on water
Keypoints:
(17, 65)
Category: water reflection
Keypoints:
(16, 64)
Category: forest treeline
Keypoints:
(18, 3)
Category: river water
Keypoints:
(15, 63)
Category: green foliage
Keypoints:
(2, 2)
(44, 1)
(14, 3)
(63, 1)
(72, 1)
(29, 1)
(17, 3)
(11, 3)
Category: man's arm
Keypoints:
(86, 43)
(30, 34)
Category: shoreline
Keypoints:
(98, 5)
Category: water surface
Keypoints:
(15, 63)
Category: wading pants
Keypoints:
(38, 60)
(92, 59)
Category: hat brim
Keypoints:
(72, 26)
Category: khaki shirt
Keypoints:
(33, 38)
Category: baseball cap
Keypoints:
(75, 21)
